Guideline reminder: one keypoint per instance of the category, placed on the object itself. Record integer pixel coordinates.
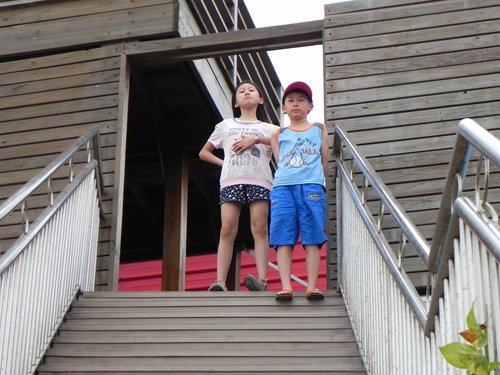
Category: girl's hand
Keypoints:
(243, 144)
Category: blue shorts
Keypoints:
(243, 194)
(298, 209)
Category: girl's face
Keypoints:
(297, 106)
(247, 96)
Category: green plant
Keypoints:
(472, 356)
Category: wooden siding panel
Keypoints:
(65, 107)
(399, 76)
(82, 79)
(53, 10)
(412, 63)
(46, 103)
(468, 14)
(91, 26)
(68, 59)
(367, 11)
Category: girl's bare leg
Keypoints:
(230, 215)
(259, 211)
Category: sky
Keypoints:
(296, 64)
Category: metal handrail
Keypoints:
(409, 229)
(468, 133)
(404, 284)
(489, 235)
(15, 250)
(27, 189)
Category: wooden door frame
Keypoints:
(160, 52)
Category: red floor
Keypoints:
(201, 272)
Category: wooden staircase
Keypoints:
(203, 332)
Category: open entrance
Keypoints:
(168, 121)
(171, 113)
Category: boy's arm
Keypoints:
(206, 154)
(324, 149)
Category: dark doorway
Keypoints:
(170, 112)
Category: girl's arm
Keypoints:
(247, 141)
(206, 154)
(244, 143)
(324, 149)
(275, 145)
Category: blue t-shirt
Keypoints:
(300, 157)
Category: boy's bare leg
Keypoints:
(284, 257)
(230, 215)
(259, 211)
(313, 259)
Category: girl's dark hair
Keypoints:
(261, 110)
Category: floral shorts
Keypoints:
(244, 194)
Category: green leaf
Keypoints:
(471, 321)
(461, 355)
(489, 367)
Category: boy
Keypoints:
(298, 204)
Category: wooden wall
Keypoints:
(46, 104)
(399, 75)
(61, 71)
(50, 98)
(42, 26)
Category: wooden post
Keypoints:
(175, 223)
(234, 273)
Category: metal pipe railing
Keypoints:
(41, 177)
(468, 133)
(52, 260)
(464, 260)
(398, 213)
(403, 283)
(43, 271)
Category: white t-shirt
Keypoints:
(248, 167)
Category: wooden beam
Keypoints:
(175, 227)
(228, 43)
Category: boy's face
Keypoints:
(297, 105)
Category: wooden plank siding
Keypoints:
(46, 103)
(64, 68)
(50, 95)
(399, 75)
(51, 25)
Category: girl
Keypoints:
(246, 179)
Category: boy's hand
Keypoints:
(243, 144)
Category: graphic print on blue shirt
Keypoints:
(298, 156)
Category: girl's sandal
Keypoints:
(284, 295)
(314, 295)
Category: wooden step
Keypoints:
(203, 332)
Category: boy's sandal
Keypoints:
(314, 294)
(284, 295)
